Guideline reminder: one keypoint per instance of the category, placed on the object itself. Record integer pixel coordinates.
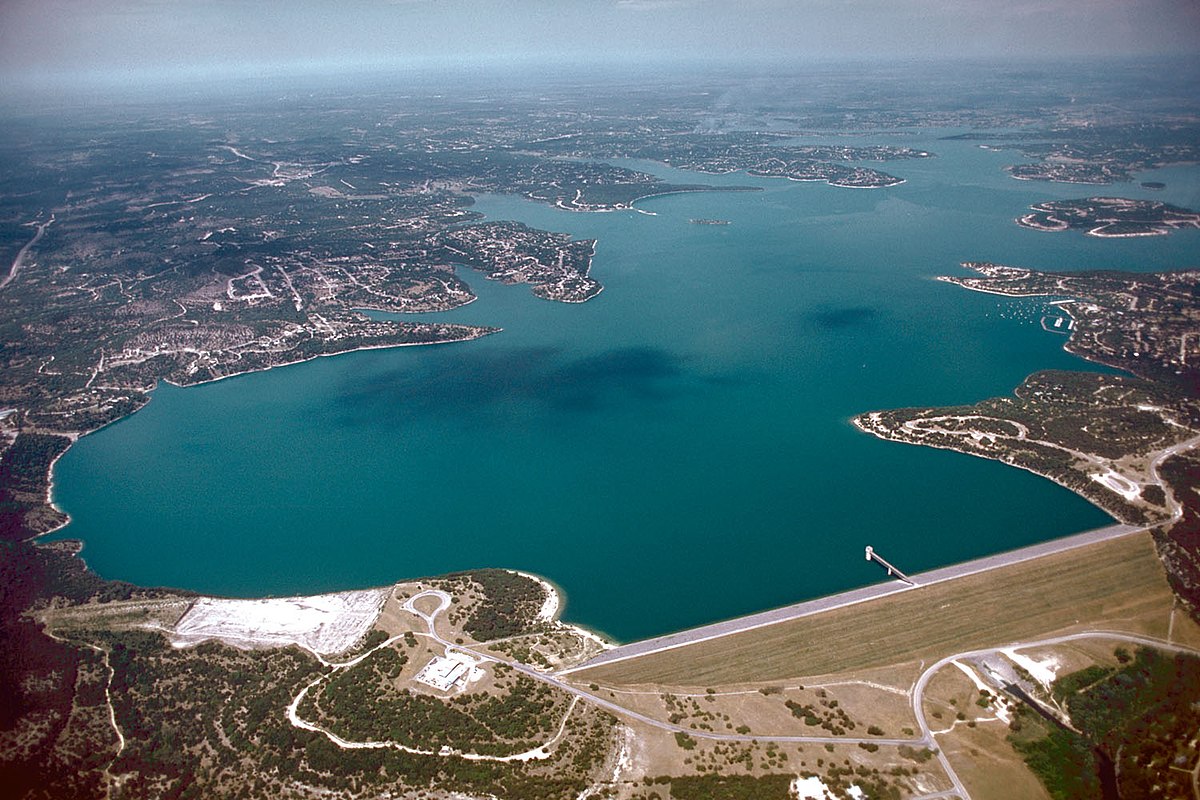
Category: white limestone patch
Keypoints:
(324, 623)
(815, 789)
(1044, 672)
(998, 706)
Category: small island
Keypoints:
(1110, 217)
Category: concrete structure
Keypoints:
(873, 556)
(445, 673)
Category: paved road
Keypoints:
(764, 618)
(926, 739)
(609, 705)
(918, 693)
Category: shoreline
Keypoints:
(952, 279)
(1063, 304)
(75, 436)
(631, 205)
(553, 606)
(1075, 182)
(1116, 520)
(634, 201)
(554, 602)
(880, 186)
(1099, 233)
(486, 332)
(50, 495)
(258, 621)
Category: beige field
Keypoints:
(117, 615)
(766, 713)
(652, 752)
(1115, 585)
(988, 766)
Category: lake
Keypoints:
(675, 451)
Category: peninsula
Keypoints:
(1127, 443)
(1098, 148)
(1110, 217)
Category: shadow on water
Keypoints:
(844, 317)
(473, 380)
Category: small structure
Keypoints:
(447, 672)
(873, 556)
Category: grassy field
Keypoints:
(1116, 585)
(988, 766)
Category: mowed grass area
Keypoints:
(1115, 585)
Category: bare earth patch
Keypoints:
(325, 623)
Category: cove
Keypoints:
(674, 452)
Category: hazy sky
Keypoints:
(136, 40)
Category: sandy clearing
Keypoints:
(1044, 672)
(999, 709)
(326, 624)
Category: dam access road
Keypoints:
(927, 737)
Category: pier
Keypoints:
(1056, 325)
(873, 556)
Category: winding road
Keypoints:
(19, 261)
(926, 739)
(927, 736)
(293, 710)
(918, 693)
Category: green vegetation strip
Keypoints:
(1105, 583)
(510, 605)
(1142, 716)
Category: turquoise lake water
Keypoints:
(674, 452)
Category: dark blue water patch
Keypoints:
(632, 373)
(475, 380)
(844, 317)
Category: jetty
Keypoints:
(891, 570)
